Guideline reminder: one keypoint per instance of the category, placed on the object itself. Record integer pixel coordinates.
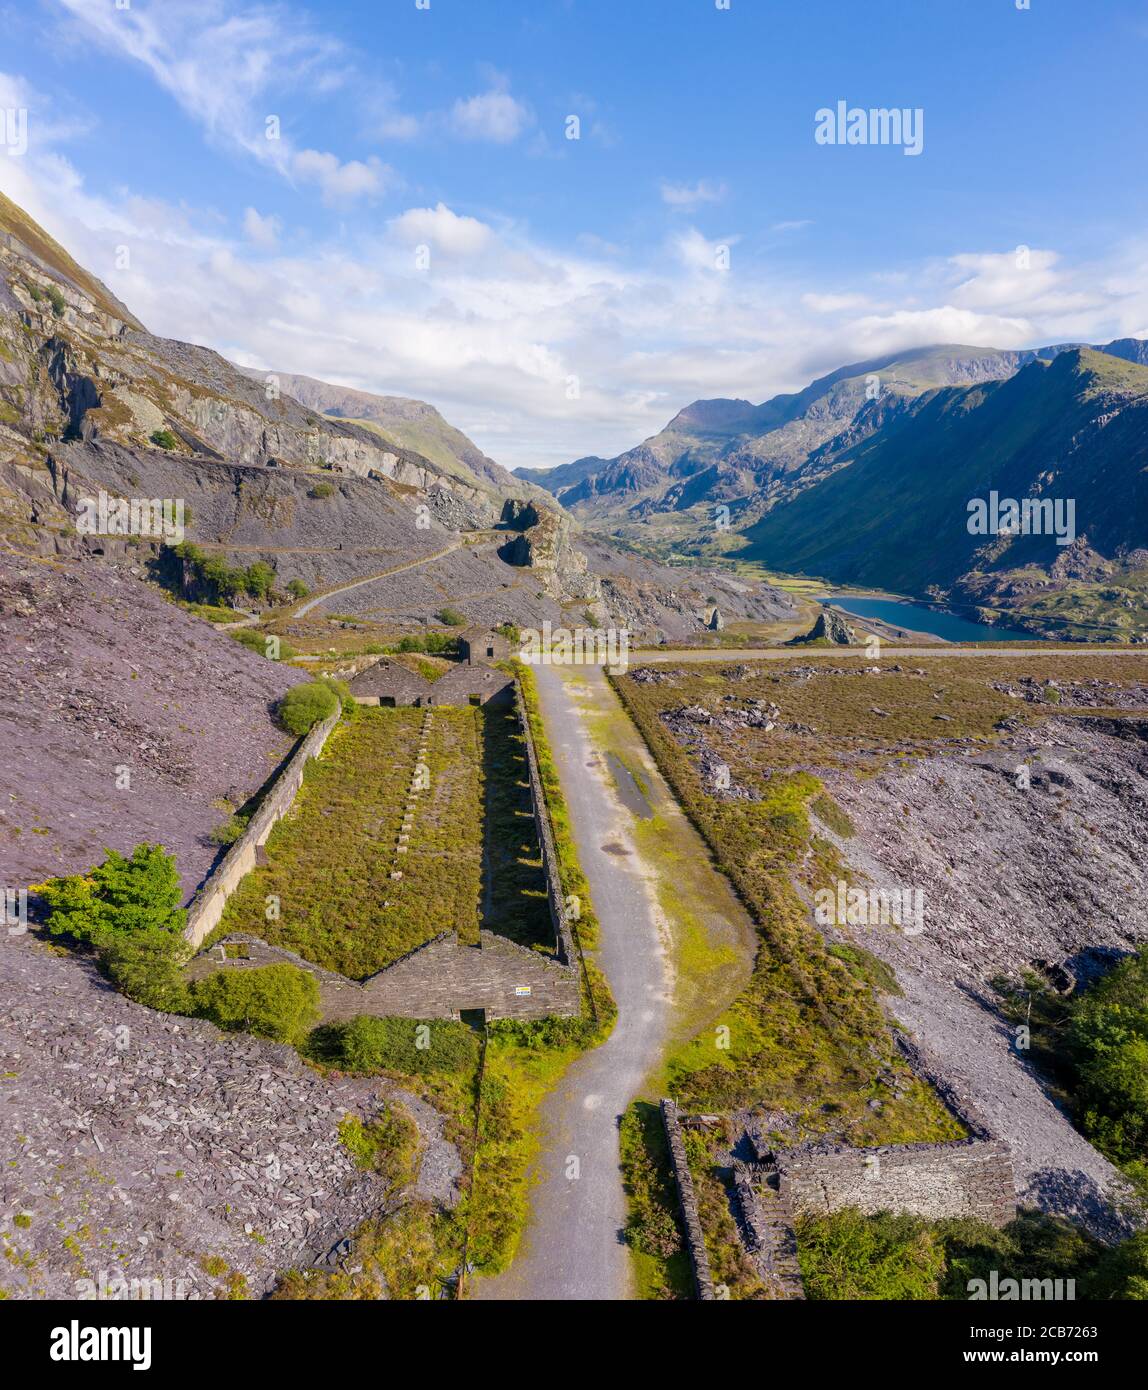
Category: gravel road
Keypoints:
(572, 1248)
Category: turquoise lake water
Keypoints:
(921, 618)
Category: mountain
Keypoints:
(895, 512)
(401, 423)
(751, 458)
(270, 471)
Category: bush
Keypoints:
(148, 967)
(306, 705)
(321, 490)
(1108, 1045)
(280, 1002)
(393, 1044)
(229, 831)
(164, 439)
(261, 642)
(120, 897)
(849, 1256)
(259, 579)
(297, 589)
(56, 299)
(450, 617)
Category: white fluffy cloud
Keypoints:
(495, 116)
(261, 231)
(443, 229)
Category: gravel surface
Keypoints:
(99, 672)
(1053, 872)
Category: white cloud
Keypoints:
(229, 69)
(495, 116)
(341, 183)
(443, 229)
(691, 195)
(834, 303)
(261, 231)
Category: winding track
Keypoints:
(372, 578)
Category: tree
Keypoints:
(280, 1002)
(306, 705)
(259, 579)
(120, 897)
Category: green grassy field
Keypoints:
(331, 858)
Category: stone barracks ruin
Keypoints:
(457, 967)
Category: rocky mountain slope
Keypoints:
(894, 513)
(753, 456)
(91, 402)
(152, 1148)
(401, 423)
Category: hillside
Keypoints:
(401, 423)
(895, 513)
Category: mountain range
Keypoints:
(865, 478)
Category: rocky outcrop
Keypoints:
(830, 627)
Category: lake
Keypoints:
(921, 618)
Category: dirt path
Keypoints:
(654, 888)
(305, 608)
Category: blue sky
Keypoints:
(423, 226)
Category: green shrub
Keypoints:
(846, 1255)
(259, 579)
(147, 966)
(280, 1002)
(404, 1045)
(229, 831)
(297, 589)
(306, 705)
(262, 643)
(321, 490)
(388, 1145)
(1108, 1045)
(450, 617)
(164, 439)
(119, 897)
(56, 299)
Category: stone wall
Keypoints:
(687, 1198)
(206, 909)
(442, 979)
(968, 1178)
(563, 932)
